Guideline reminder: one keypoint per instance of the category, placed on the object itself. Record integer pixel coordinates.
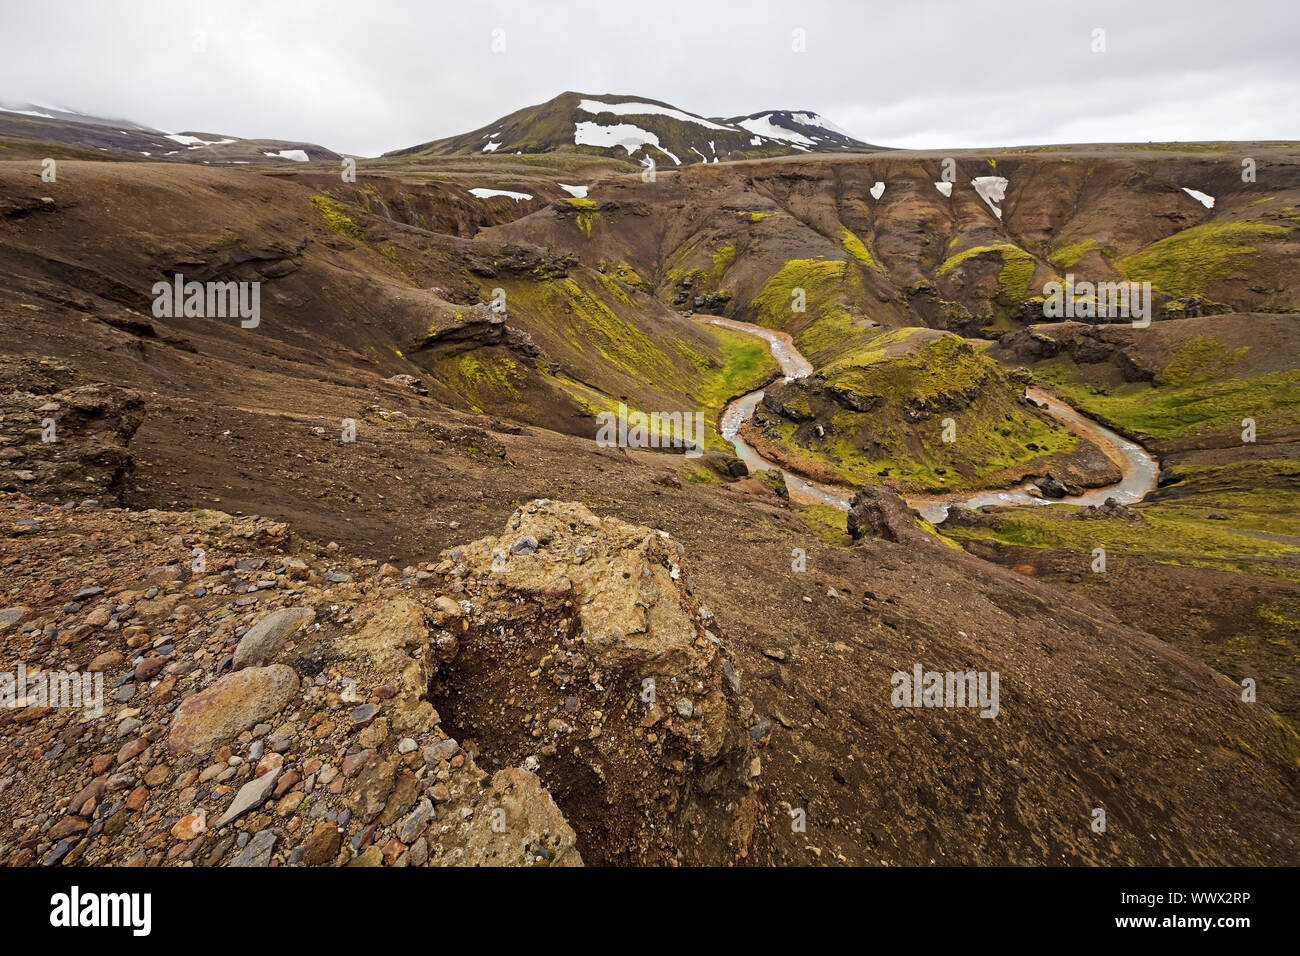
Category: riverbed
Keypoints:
(1137, 466)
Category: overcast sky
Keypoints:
(365, 76)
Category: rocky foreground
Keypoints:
(269, 702)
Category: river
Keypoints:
(1137, 467)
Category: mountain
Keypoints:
(81, 131)
(637, 126)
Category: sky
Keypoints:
(366, 77)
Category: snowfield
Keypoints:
(763, 126)
(646, 109)
(630, 137)
(484, 193)
(297, 155)
(992, 189)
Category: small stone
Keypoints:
(265, 638)
(251, 795)
(258, 851)
(352, 763)
(415, 822)
(190, 826)
(439, 751)
(323, 845)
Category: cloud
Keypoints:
(369, 77)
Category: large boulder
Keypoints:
(877, 512)
(230, 706)
(581, 652)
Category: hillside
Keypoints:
(631, 125)
(498, 585)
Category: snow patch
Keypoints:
(992, 189)
(756, 141)
(814, 119)
(483, 193)
(1205, 200)
(297, 155)
(877, 190)
(491, 147)
(945, 188)
(763, 126)
(578, 192)
(646, 109)
(27, 113)
(194, 142)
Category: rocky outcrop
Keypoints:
(878, 512)
(68, 442)
(576, 646)
(587, 707)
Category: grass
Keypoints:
(1189, 262)
(1063, 257)
(1017, 268)
(1195, 395)
(336, 218)
(856, 248)
(886, 401)
(1173, 531)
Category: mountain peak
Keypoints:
(639, 127)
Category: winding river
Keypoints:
(1137, 468)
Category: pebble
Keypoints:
(439, 751)
(251, 795)
(257, 850)
(363, 715)
(524, 546)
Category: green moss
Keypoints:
(856, 248)
(1017, 268)
(747, 364)
(1176, 532)
(336, 218)
(828, 523)
(1188, 263)
(1195, 395)
(1201, 358)
(887, 399)
(588, 213)
(825, 328)
(1066, 256)
(1274, 617)
(722, 260)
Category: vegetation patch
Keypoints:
(1188, 263)
(1195, 395)
(856, 248)
(336, 218)
(1066, 256)
(1017, 268)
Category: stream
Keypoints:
(1137, 467)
